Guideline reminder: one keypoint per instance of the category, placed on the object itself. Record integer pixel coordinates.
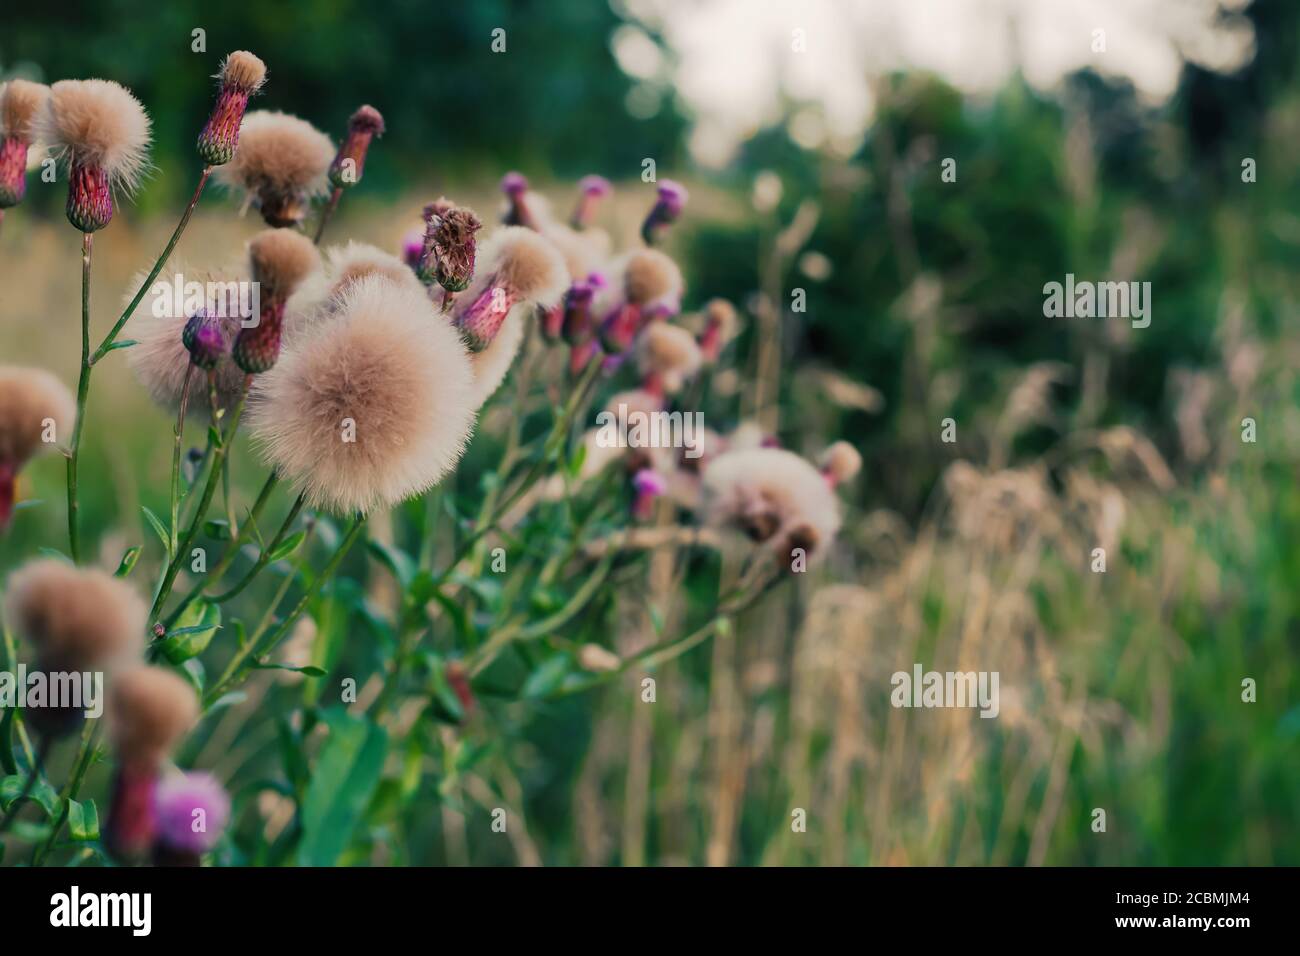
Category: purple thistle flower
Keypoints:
(204, 339)
(648, 485)
(191, 812)
(666, 210)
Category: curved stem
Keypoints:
(264, 558)
(153, 273)
(327, 213)
(85, 755)
(83, 390)
(176, 457)
(238, 663)
(42, 751)
(209, 489)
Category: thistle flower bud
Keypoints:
(20, 102)
(34, 408)
(515, 186)
(582, 355)
(350, 162)
(241, 76)
(102, 133)
(205, 340)
(720, 325)
(671, 201)
(413, 247)
(190, 812)
(280, 260)
(839, 463)
(591, 190)
(447, 254)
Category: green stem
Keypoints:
(176, 458)
(71, 788)
(231, 552)
(264, 558)
(237, 664)
(33, 774)
(109, 339)
(209, 489)
(327, 213)
(83, 390)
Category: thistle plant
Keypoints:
(361, 383)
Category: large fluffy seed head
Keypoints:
(584, 252)
(773, 496)
(76, 619)
(649, 277)
(20, 103)
(159, 358)
(668, 354)
(372, 407)
(840, 462)
(149, 710)
(97, 124)
(243, 71)
(280, 259)
(281, 164)
(31, 399)
(348, 265)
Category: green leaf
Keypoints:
(308, 670)
(54, 553)
(217, 530)
(121, 344)
(547, 677)
(47, 797)
(193, 632)
(159, 529)
(288, 546)
(29, 503)
(228, 700)
(577, 460)
(395, 559)
(347, 772)
(127, 564)
(83, 820)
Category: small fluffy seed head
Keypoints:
(371, 408)
(649, 276)
(241, 76)
(772, 496)
(242, 71)
(99, 125)
(280, 259)
(76, 619)
(720, 327)
(840, 462)
(667, 355)
(175, 800)
(21, 101)
(149, 710)
(29, 399)
(347, 265)
(280, 166)
(519, 267)
(160, 358)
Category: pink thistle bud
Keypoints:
(8, 491)
(130, 827)
(90, 198)
(515, 186)
(191, 812)
(20, 102)
(413, 247)
(279, 259)
(241, 76)
(591, 190)
(577, 325)
(205, 339)
(449, 247)
(366, 124)
(553, 322)
(648, 486)
(719, 329)
(666, 210)
(618, 330)
(482, 319)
